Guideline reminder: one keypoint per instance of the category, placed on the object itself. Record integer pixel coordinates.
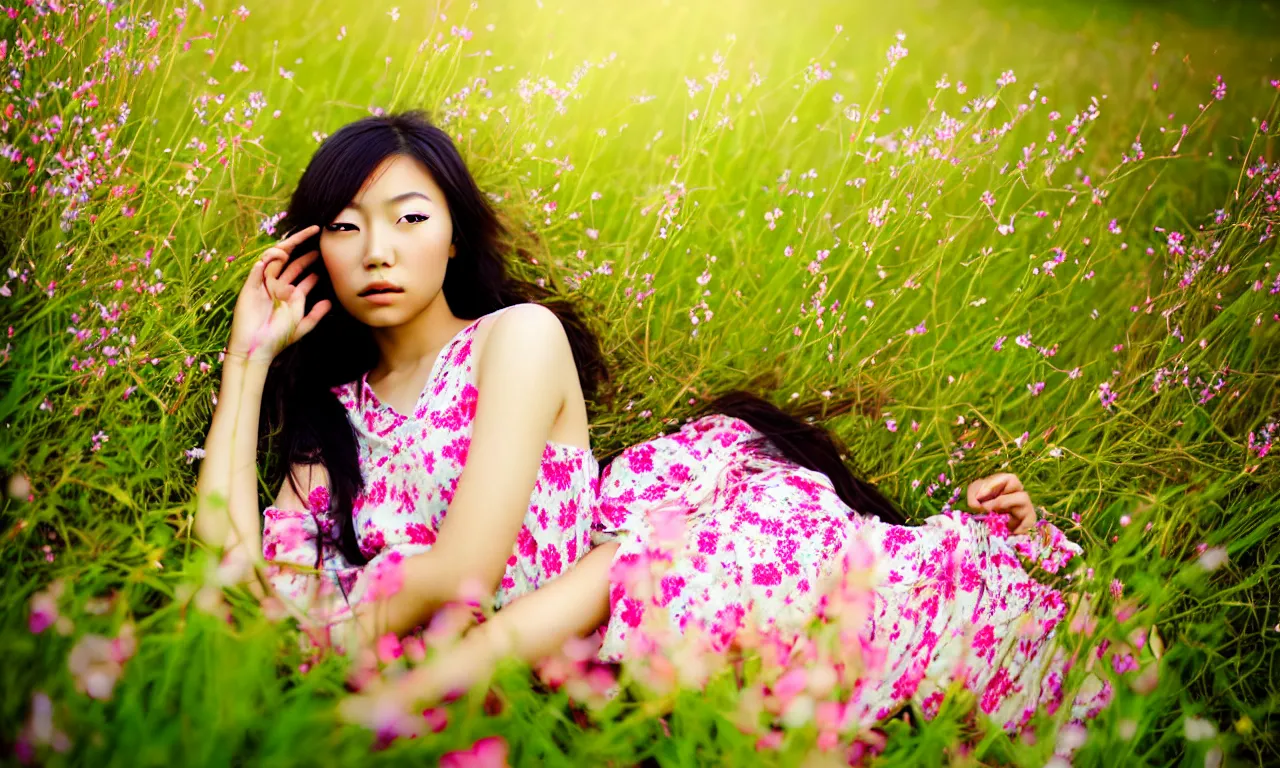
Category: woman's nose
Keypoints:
(377, 252)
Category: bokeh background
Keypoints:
(1032, 237)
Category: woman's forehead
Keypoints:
(394, 178)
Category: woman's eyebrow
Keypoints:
(392, 201)
(407, 195)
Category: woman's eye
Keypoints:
(339, 226)
(414, 218)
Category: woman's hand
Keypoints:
(1003, 493)
(270, 313)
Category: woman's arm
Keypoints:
(270, 313)
(227, 489)
(530, 628)
(520, 383)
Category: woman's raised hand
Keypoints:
(1003, 492)
(270, 313)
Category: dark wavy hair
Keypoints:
(302, 421)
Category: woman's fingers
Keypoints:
(255, 276)
(271, 277)
(992, 487)
(312, 318)
(282, 250)
(1016, 504)
(307, 284)
(1007, 502)
(294, 269)
(292, 241)
(1000, 484)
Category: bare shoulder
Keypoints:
(533, 320)
(527, 334)
(527, 359)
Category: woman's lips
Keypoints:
(382, 298)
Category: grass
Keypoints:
(749, 165)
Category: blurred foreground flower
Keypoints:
(96, 662)
(1199, 729)
(44, 610)
(19, 488)
(39, 730)
(489, 752)
(1213, 558)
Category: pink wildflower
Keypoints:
(96, 662)
(44, 608)
(489, 752)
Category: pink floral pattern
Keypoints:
(411, 467)
(743, 537)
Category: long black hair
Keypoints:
(805, 443)
(302, 421)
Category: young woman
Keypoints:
(428, 415)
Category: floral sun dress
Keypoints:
(411, 466)
(758, 540)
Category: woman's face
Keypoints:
(386, 252)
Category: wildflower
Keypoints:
(388, 648)
(1146, 681)
(895, 54)
(1213, 558)
(1199, 729)
(96, 662)
(268, 224)
(385, 578)
(1123, 662)
(489, 752)
(193, 453)
(39, 730)
(19, 487)
(1219, 88)
(44, 607)
(1105, 396)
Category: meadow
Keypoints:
(1027, 237)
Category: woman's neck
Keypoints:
(406, 348)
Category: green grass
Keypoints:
(552, 105)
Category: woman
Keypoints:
(425, 412)
(430, 421)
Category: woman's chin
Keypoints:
(382, 316)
